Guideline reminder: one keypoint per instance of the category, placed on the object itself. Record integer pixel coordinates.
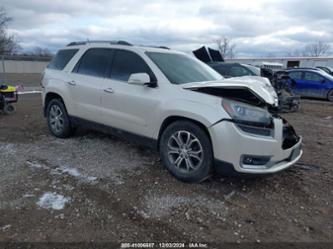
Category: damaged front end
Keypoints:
(250, 101)
(252, 90)
(265, 142)
(252, 106)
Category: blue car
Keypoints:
(311, 83)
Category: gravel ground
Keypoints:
(97, 187)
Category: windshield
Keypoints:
(181, 69)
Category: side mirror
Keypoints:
(139, 79)
(323, 81)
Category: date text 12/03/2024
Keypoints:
(164, 245)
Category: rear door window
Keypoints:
(94, 62)
(61, 59)
(295, 75)
(126, 63)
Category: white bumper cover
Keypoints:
(230, 144)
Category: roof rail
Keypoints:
(164, 47)
(76, 43)
(304, 68)
(152, 46)
(99, 41)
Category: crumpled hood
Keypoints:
(260, 86)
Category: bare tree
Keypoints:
(8, 43)
(317, 49)
(226, 47)
(43, 52)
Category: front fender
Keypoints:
(206, 114)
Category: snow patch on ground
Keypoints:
(51, 200)
(36, 165)
(5, 227)
(73, 172)
(62, 170)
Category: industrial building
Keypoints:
(22, 70)
(287, 61)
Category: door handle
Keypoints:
(108, 90)
(72, 83)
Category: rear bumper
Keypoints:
(270, 154)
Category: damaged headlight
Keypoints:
(246, 114)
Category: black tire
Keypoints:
(330, 95)
(8, 109)
(65, 130)
(184, 173)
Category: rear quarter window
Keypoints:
(61, 59)
(312, 77)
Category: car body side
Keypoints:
(205, 109)
(310, 88)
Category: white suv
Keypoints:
(197, 120)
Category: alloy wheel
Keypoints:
(185, 151)
(56, 117)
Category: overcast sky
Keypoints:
(259, 28)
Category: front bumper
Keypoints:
(281, 149)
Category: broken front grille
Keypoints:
(289, 136)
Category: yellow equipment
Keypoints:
(8, 95)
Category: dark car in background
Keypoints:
(215, 60)
(311, 83)
(328, 70)
(229, 70)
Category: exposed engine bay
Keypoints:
(241, 95)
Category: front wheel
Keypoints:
(330, 95)
(186, 151)
(57, 119)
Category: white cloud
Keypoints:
(258, 27)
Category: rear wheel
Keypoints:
(330, 95)
(186, 151)
(57, 119)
